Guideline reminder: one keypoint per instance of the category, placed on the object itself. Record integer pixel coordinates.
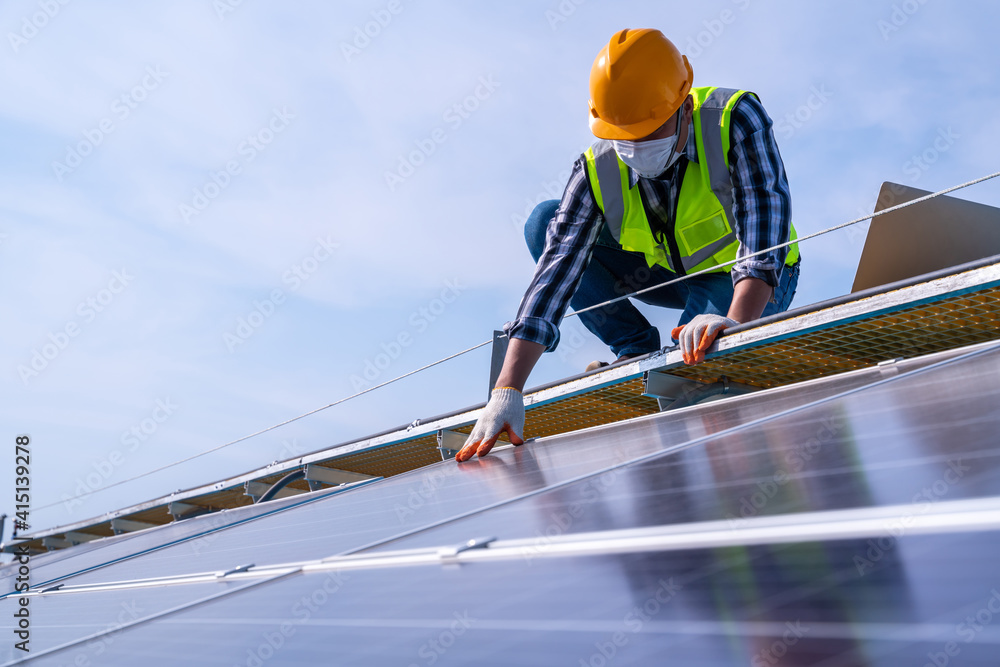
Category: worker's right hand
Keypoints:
(503, 414)
(697, 336)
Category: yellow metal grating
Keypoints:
(601, 406)
(391, 460)
(943, 325)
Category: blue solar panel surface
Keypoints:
(917, 439)
(423, 498)
(196, 532)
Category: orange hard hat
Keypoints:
(638, 81)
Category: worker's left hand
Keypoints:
(698, 335)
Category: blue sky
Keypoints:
(214, 215)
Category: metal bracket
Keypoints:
(450, 443)
(179, 510)
(500, 342)
(673, 392)
(317, 475)
(52, 543)
(119, 526)
(450, 554)
(257, 489)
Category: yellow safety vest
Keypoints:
(703, 228)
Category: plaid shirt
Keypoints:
(761, 208)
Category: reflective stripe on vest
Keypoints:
(714, 182)
(718, 171)
(606, 166)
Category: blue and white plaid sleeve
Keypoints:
(569, 244)
(762, 203)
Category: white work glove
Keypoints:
(503, 414)
(698, 335)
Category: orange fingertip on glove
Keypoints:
(698, 335)
(503, 414)
(467, 452)
(483, 447)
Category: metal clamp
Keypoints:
(238, 568)
(450, 554)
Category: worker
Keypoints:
(681, 180)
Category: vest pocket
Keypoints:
(696, 235)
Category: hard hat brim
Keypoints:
(605, 130)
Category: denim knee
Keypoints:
(537, 225)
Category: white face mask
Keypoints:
(650, 158)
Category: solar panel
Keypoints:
(919, 437)
(420, 499)
(922, 441)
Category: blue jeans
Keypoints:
(613, 272)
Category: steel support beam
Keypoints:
(180, 510)
(317, 475)
(53, 543)
(120, 526)
(256, 489)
